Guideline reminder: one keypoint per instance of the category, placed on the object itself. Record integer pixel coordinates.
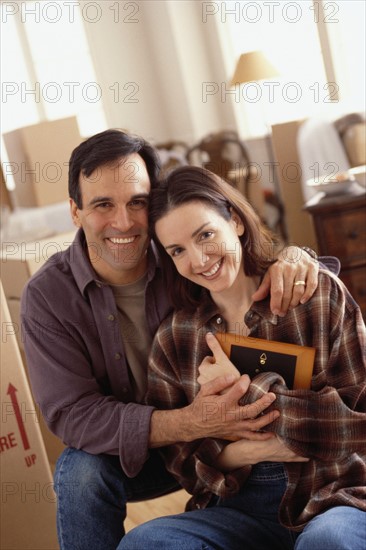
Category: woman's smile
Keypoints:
(213, 270)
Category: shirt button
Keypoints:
(117, 356)
(111, 317)
(219, 320)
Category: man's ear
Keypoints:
(74, 212)
(239, 226)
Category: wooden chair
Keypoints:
(224, 154)
(172, 155)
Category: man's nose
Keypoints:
(122, 219)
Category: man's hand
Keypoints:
(244, 452)
(215, 415)
(293, 265)
(215, 411)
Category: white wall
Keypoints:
(165, 53)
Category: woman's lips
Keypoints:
(213, 270)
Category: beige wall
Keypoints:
(169, 53)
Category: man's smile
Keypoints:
(122, 240)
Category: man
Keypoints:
(89, 316)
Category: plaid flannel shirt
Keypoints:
(326, 423)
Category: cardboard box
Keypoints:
(28, 502)
(5, 196)
(299, 224)
(14, 311)
(53, 444)
(19, 261)
(38, 160)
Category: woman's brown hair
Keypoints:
(193, 184)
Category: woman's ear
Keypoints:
(239, 226)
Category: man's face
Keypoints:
(114, 219)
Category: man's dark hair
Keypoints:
(104, 148)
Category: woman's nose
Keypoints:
(198, 258)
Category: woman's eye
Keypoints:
(176, 252)
(206, 235)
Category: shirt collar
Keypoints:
(79, 262)
(258, 311)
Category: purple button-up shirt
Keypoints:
(76, 359)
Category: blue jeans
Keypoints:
(92, 492)
(249, 521)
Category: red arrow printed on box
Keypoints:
(23, 434)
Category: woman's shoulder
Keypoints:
(331, 289)
(328, 280)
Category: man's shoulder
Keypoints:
(52, 275)
(57, 273)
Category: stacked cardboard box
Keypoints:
(38, 161)
(28, 502)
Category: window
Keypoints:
(348, 46)
(47, 71)
(292, 35)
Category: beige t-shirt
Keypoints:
(130, 300)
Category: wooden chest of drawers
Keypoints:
(340, 226)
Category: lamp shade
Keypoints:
(253, 66)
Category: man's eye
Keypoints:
(103, 205)
(138, 204)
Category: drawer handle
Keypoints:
(352, 235)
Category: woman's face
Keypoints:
(204, 247)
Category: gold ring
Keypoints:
(296, 283)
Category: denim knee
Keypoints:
(339, 528)
(82, 475)
(164, 534)
(91, 504)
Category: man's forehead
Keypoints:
(131, 160)
(128, 170)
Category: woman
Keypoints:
(303, 484)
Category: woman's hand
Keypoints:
(245, 452)
(293, 265)
(217, 365)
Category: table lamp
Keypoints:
(253, 66)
